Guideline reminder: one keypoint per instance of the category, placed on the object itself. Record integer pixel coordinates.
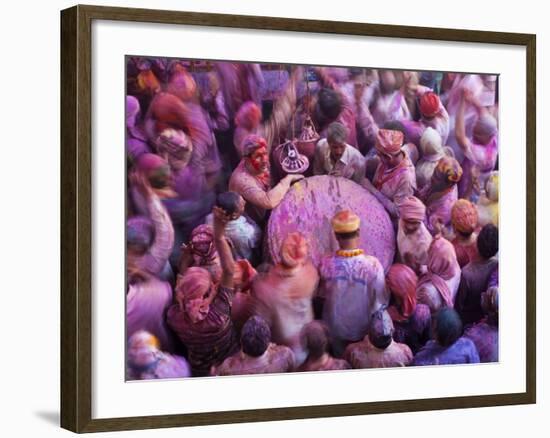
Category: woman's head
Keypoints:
(381, 329)
(485, 128)
(402, 281)
(194, 293)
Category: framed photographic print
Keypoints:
(268, 218)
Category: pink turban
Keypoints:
(248, 116)
(402, 281)
(412, 209)
(294, 250)
(389, 141)
(429, 104)
(442, 266)
(192, 285)
(464, 216)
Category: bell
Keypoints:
(292, 161)
(308, 138)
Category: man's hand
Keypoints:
(293, 178)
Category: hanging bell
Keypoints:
(308, 138)
(292, 161)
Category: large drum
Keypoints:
(311, 203)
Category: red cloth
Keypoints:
(402, 282)
(429, 104)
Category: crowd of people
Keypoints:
(213, 147)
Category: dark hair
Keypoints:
(330, 103)
(448, 326)
(381, 329)
(347, 236)
(228, 201)
(395, 125)
(315, 339)
(255, 336)
(487, 241)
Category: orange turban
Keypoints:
(389, 141)
(464, 216)
(448, 170)
(345, 221)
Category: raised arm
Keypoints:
(222, 246)
(460, 128)
(283, 109)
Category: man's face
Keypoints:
(259, 160)
(198, 308)
(410, 226)
(389, 160)
(336, 149)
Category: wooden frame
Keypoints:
(76, 177)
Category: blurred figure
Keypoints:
(258, 354)
(315, 340)
(146, 360)
(389, 103)
(413, 238)
(378, 349)
(283, 296)
(475, 276)
(136, 139)
(480, 152)
(438, 285)
(448, 346)
(411, 320)
(488, 202)
(149, 242)
(352, 285)
(484, 334)
(333, 156)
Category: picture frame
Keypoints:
(77, 172)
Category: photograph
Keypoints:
(293, 218)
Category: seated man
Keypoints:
(378, 349)
(333, 156)
(252, 180)
(352, 285)
(315, 340)
(258, 355)
(448, 346)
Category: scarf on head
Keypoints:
(442, 266)
(402, 281)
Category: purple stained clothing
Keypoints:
(208, 341)
(165, 366)
(485, 337)
(438, 208)
(462, 351)
(365, 355)
(146, 304)
(353, 288)
(415, 331)
(493, 278)
(474, 281)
